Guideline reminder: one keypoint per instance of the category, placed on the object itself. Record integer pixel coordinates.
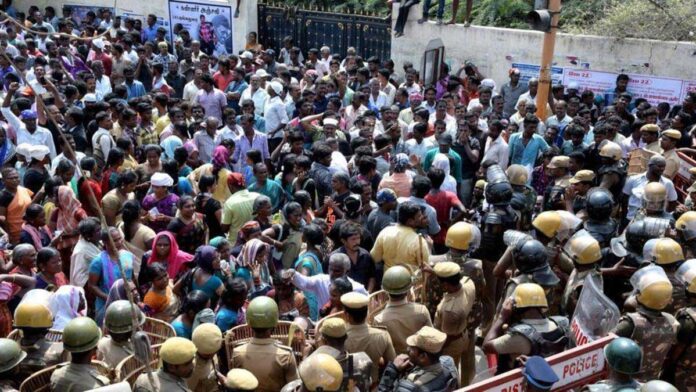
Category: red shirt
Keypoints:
(222, 81)
(442, 202)
(84, 192)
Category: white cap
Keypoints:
(99, 43)
(261, 73)
(247, 55)
(39, 152)
(276, 87)
(573, 86)
(89, 98)
(161, 179)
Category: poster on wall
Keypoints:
(529, 71)
(688, 86)
(654, 89)
(79, 12)
(211, 24)
(161, 22)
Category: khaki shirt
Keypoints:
(402, 319)
(673, 163)
(75, 377)
(272, 363)
(654, 147)
(204, 377)
(375, 342)
(41, 355)
(112, 352)
(164, 382)
(453, 311)
(517, 344)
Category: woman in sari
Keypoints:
(50, 276)
(262, 211)
(34, 230)
(211, 210)
(145, 170)
(203, 277)
(253, 266)
(161, 203)
(160, 301)
(104, 270)
(14, 201)
(309, 263)
(188, 227)
(67, 303)
(113, 166)
(441, 161)
(218, 169)
(88, 185)
(138, 236)
(65, 220)
(165, 250)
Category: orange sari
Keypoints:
(15, 212)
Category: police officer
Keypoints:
(667, 253)
(80, 337)
(681, 361)
(420, 369)
(271, 363)
(529, 259)
(599, 224)
(176, 355)
(584, 251)
(523, 196)
(332, 340)
(240, 380)
(686, 233)
(554, 195)
(34, 320)
(530, 331)
(499, 218)
(10, 356)
(624, 358)
(400, 317)
(576, 193)
(208, 340)
(453, 313)
(612, 172)
(538, 375)
(654, 203)
(118, 321)
(319, 372)
(655, 331)
(374, 342)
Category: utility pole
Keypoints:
(546, 21)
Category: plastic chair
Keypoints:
(377, 302)
(130, 368)
(157, 330)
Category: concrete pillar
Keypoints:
(247, 21)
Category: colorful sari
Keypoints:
(176, 260)
(15, 212)
(165, 206)
(311, 262)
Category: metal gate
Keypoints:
(370, 35)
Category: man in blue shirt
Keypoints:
(526, 146)
(150, 31)
(135, 87)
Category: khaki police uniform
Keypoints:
(374, 342)
(204, 376)
(451, 318)
(402, 319)
(112, 352)
(164, 382)
(75, 377)
(271, 363)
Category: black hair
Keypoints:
(130, 212)
(358, 315)
(406, 211)
(205, 182)
(195, 301)
(126, 178)
(313, 235)
(33, 211)
(45, 254)
(420, 186)
(436, 177)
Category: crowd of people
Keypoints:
(146, 179)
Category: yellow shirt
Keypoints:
(673, 163)
(400, 245)
(162, 123)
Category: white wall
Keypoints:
(494, 49)
(246, 22)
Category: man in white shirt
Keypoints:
(410, 84)
(326, 57)
(191, 88)
(256, 94)
(559, 119)
(378, 98)
(205, 139)
(274, 112)
(102, 139)
(496, 151)
(441, 114)
(635, 185)
(419, 145)
(102, 82)
(25, 126)
(321, 68)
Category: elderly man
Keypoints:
(320, 285)
(635, 186)
(256, 93)
(275, 114)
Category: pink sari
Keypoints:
(176, 258)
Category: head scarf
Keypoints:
(65, 303)
(117, 292)
(204, 316)
(169, 145)
(205, 255)
(220, 157)
(250, 250)
(190, 147)
(67, 207)
(218, 241)
(176, 258)
(248, 229)
(442, 162)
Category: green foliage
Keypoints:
(502, 13)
